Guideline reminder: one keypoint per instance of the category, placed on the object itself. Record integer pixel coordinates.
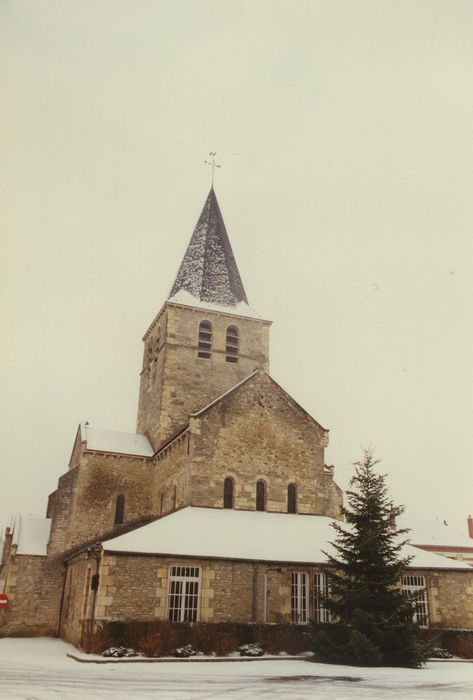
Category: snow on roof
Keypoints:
(121, 443)
(187, 299)
(209, 270)
(31, 534)
(237, 534)
(433, 532)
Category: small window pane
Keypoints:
(260, 495)
(228, 493)
(119, 510)
(291, 499)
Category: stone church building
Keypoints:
(218, 508)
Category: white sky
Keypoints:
(345, 132)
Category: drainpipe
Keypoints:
(95, 553)
(61, 604)
(266, 592)
(255, 591)
(265, 599)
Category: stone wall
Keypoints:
(450, 595)
(83, 508)
(78, 598)
(177, 382)
(61, 506)
(171, 484)
(258, 433)
(34, 587)
(135, 587)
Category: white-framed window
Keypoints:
(184, 593)
(299, 597)
(321, 592)
(416, 586)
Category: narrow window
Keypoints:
(87, 587)
(321, 593)
(231, 347)
(174, 497)
(184, 593)
(228, 492)
(119, 510)
(299, 598)
(260, 495)
(415, 588)
(291, 499)
(205, 340)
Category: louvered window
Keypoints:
(205, 340)
(231, 347)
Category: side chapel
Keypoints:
(218, 508)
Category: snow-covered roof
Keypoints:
(113, 441)
(433, 532)
(237, 534)
(31, 534)
(185, 298)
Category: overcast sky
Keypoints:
(345, 134)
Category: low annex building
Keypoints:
(218, 508)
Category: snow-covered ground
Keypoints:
(38, 669)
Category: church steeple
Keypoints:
(206, 338)
(208, 271)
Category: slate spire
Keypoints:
(209, 271)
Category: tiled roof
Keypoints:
(209, 271)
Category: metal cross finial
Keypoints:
(212, 164)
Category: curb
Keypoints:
(189, 660)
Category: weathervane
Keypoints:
(212, 164)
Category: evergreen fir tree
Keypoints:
(373, 619)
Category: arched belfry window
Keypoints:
(205, 340)
(291, 499)
(260, 495)
(228, 492)
(231, 346)
(119, 510)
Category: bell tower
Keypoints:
(205, 339)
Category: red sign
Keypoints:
(3, 600)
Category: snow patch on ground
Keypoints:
(38, 669)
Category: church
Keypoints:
(218, 508)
